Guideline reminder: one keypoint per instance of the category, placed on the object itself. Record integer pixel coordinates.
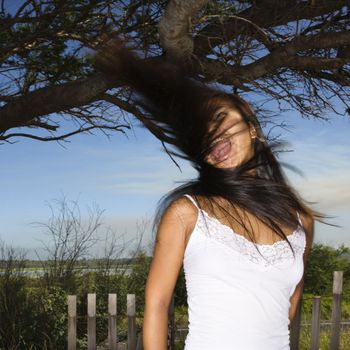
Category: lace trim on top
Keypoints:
(277, 253)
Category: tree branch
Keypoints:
(263, 14)
(60, 137)
(174, 28)
(136, 112)
(335, 77)
(51, 99)
(283, 57)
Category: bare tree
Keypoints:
(296, 53)
(70, 238)
(12, 259)
(115, 270)
(112, 250)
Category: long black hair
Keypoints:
(177, 109)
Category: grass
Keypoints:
(181, 320)
(324, 343)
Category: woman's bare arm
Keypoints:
(308, 223)
(167, 260)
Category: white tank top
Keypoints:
(237, 300)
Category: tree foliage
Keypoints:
(322, 262)
(295, 53)
(34, 314)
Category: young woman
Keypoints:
(240, 231)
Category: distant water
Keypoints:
(41, 272)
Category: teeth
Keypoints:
(221, 152)
(218, 140)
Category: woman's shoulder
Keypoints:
(176, 222)
(183, 206)
(183, 211)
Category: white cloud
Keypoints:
(330, 189)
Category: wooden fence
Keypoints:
(134, 340)
(316, 318)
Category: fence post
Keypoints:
(295, 327)
(336, 309)
(131, 321)
(72, 322)
(91, 311)
(139, 345)
(112, 321)
(171, 324)
(315, 323)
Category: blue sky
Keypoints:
(127, 175)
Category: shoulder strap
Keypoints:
(192, 200)
(299, 219)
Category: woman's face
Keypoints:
(235, 145)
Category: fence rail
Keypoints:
(134, 339)
(316, 318)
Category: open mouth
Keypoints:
(221, 150)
